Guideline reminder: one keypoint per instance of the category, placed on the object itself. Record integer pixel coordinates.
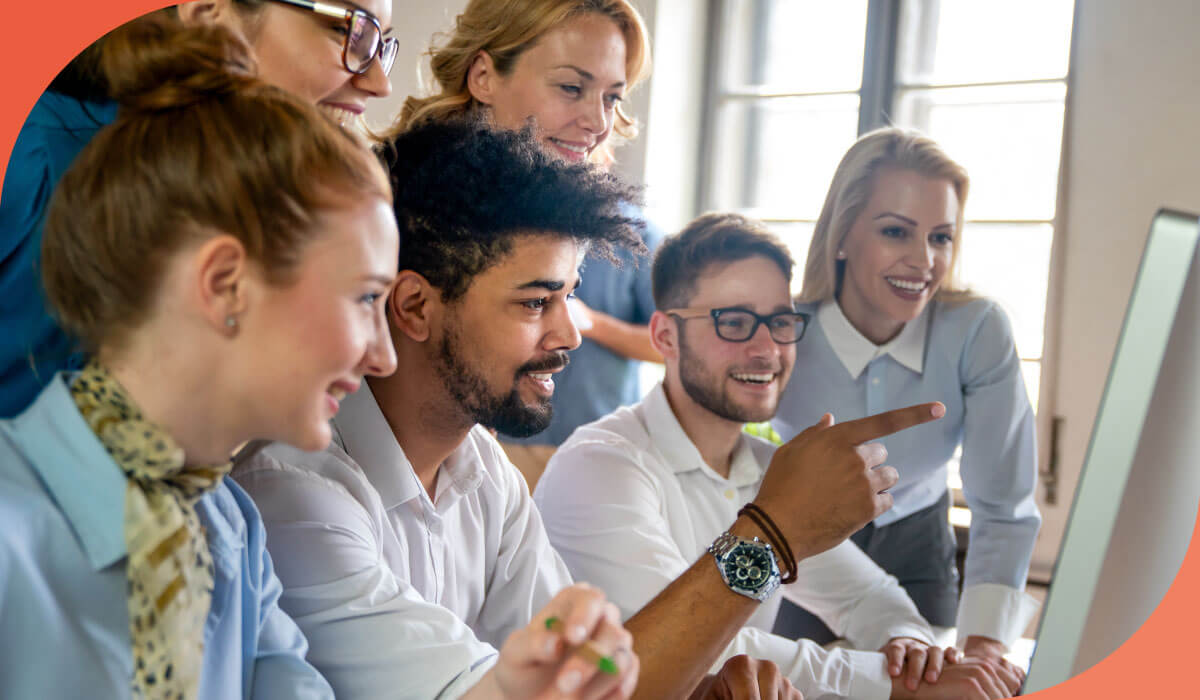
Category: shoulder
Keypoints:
(288, 483)
(622, 431)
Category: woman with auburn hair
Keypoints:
(336, 56)
(215, 227)
(892, 327)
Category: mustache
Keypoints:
(552, 362)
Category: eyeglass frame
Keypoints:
(347, 14)
(759, 320)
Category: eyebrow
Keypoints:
(382, 279)
(550, 285)
(588, 76)
(907, 220)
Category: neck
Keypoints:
(186, 404)
(428, 429)
(714, 437)
(876, 327)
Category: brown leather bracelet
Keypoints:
(775, 536)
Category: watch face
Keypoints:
(748, 567)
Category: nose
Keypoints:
(380, 358)
(593, 115)
(562, 334)
(761, 344)
(374, 81)
(921, 253)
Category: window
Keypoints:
(794, 82)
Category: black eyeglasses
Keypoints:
(739, 325)
(364, 38)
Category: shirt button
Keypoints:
(729, 493)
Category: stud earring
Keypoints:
(231, 322)
(841, 255)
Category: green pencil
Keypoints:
(586, 650)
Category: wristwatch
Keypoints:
(747, 566)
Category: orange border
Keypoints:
(1155, 662)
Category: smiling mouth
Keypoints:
(340, 115)
(906, 285)
(574, 148)
(754, 377)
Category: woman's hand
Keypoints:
(584, 654)
(744, 678)
(916, 660)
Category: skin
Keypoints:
(905, 233)
(328, 321)
(301, 51)
(570, 83)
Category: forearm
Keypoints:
(626, 339)
(681, 632)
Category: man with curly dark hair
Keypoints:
(411, 548)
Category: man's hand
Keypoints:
(968, 679)
(744, 678)
(827, 482)
(914, 660)
(538, 662)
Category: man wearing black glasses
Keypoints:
(633, 499)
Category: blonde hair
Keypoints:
(851, 188)
(505, 29)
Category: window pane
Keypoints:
(776, 156)
(969, 42)
(1008, 139)
(1033, 376)
(795, 45)
(1011, 264)
(796, 236)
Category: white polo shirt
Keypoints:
(630, 504)
(401, 595)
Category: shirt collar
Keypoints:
(364, 433)
(77, 471)
(856, 352)
(679, 450)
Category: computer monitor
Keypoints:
(1135, 506)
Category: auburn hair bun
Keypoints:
(156, 64)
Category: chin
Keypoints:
(313, 439)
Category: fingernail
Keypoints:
(938, 410)
(551, 645)
(569, 681)
(577, 634)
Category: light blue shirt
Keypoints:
(64, 623)
(964, 356)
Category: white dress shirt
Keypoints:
(630, 504)
(401, 595)
(964, 356)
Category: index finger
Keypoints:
(876, 426)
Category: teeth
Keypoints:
(906, 285)
(541, 377)
(754, 378)
(341, 116)
(582, 150)
(338, 394)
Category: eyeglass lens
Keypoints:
(363, 42)
(738, 326)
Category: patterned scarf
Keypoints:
(170, 570)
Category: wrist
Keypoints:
(900, 691)
(488, 688)
(978, 645)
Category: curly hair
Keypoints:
(464, 189)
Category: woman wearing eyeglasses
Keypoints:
(215, 227)
(332, 54)
(892, 327)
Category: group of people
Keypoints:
(260, 361)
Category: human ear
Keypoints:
(221, 276)
(482, 77)
(664, 335)
(204, 12)
(412, 306)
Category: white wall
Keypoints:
(1131, 146)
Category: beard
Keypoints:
(503, 411)
(708, 390)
